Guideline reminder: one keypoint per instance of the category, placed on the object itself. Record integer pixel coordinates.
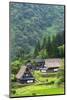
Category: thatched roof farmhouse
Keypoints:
(24, 75)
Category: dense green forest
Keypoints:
(36, 31)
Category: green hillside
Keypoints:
(30, 23)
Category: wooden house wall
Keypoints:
(52, 69)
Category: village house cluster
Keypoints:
(43, 65)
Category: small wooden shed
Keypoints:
(24, 75)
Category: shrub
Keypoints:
(49, 83)
(13, 78)
(59, 81)
(13, 91)
(34, 94)
(46, 80)
(60, 73)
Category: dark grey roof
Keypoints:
(38, 60)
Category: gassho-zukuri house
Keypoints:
(24, 75)
(51, 65)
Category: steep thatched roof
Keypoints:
(21, 72)
(55, 62)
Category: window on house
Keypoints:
(27, 75)
(29, 81)
(55, 70)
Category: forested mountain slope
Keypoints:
(30, 23)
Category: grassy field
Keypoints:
(38, 90)
(44, 85)
(39, 87)
(40, 77)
